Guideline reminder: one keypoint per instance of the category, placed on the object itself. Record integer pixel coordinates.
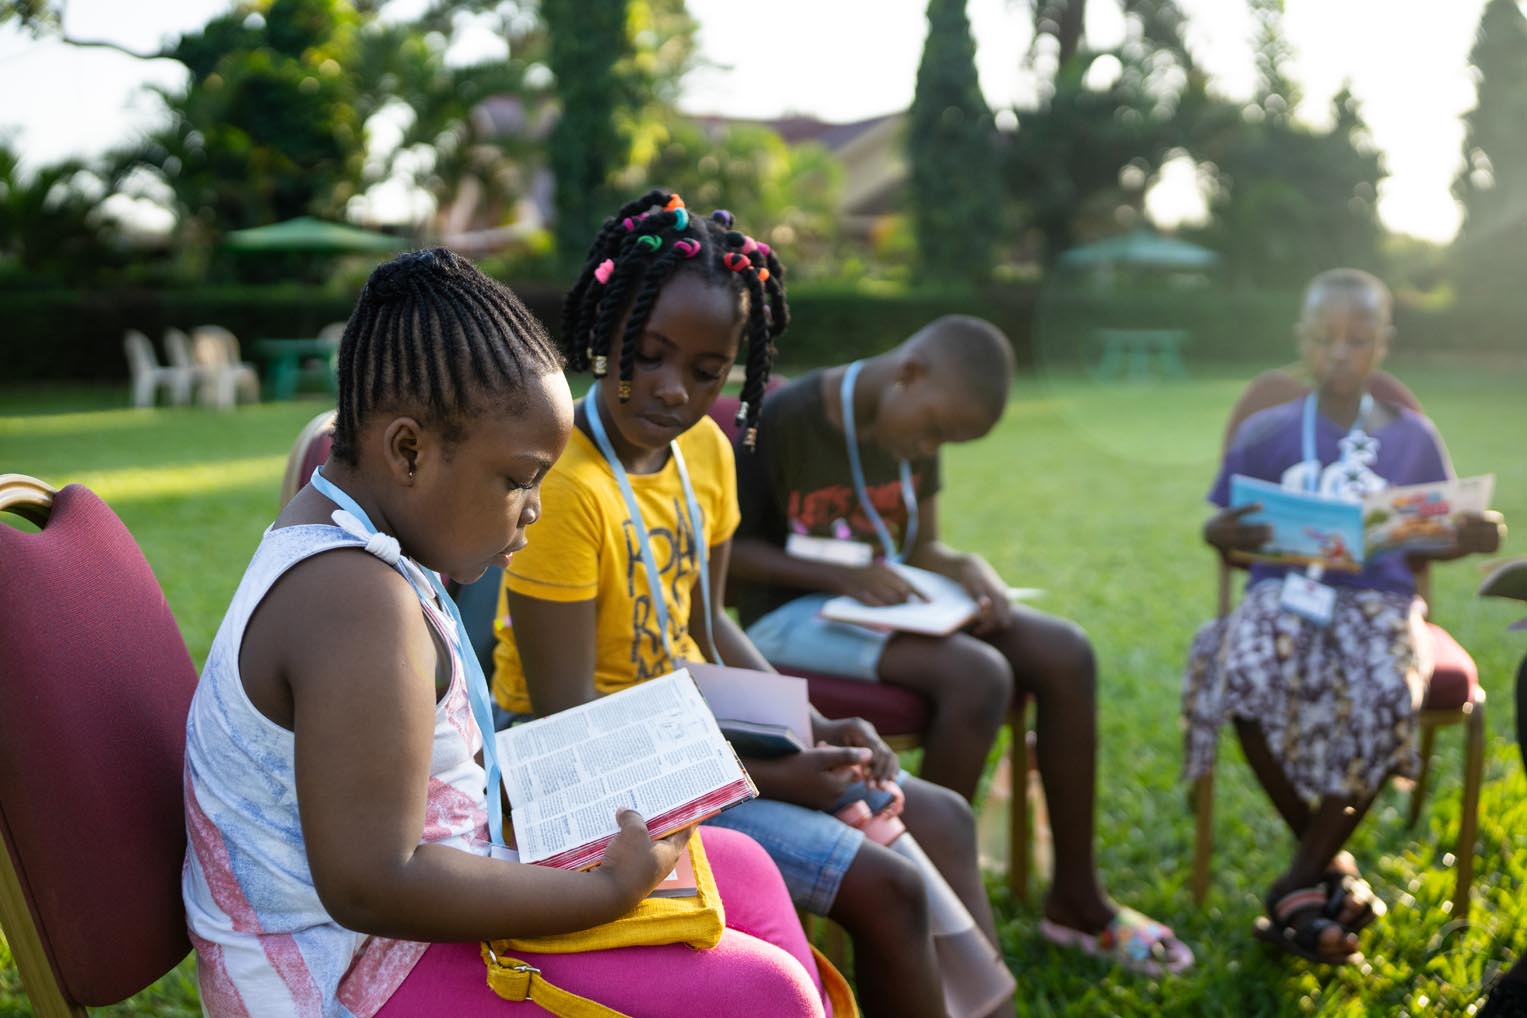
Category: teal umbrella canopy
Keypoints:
(1140, 249)
(313, 235)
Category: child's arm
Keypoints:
(819, 776)
(754, 558)
(971, 571)
(362, 671)
(556, 641)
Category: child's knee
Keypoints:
(1074, 648)
(983, 677)
(944, 811)
(882, 893)
(761, 979)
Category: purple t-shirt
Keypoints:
(1268, 443)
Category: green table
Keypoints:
(284, 363)
(1141, 354)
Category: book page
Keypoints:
(756, 698)
(1419, 516)
(654, 748)
(943, 607)
(1305, 527)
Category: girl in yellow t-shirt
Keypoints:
(663, 305)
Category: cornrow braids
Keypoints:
(430, 334)
(636, 252)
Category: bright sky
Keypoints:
(847, 59)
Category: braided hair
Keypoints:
(639, 249)
(432, 335)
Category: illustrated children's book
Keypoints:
(653, 747)
(1342, 534)
(762, 714)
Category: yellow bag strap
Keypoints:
(512, 979)
(835, 986)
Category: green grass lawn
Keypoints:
(1094, 494)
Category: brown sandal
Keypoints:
(1295, 922)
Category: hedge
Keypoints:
(77, 334)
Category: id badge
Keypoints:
(1308, 598)
(827, 549)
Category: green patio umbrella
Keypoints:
(1140, 249)
(306, 234)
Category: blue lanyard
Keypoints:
(476, 682)
(1311, 457)
(649, 562)
(908, 494)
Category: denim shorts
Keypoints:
(795, 635)
(812, 849)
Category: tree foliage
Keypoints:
(1289, 200)
(789, 194)
(51, 221)
(1492, 185)
(588, 39)
(951, 143)
(1086, 153)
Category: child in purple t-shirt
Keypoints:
(1325, 710)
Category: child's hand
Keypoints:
(883, 764)
(876, 584)
(816, 778)
(1480, 533)
(981, 582)
(1227, 532)
(636, 861)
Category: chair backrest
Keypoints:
(95, 685)
(724, 410)
(141, 358)
(308, 452)
(333, 332)
(1281, 385)
(177, 348)
(214, 346)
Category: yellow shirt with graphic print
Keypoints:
(584, 548)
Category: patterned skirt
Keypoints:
(1336, 704)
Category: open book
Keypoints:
(1342, 534)
(762, 714)
(943, 606)
(654, 748)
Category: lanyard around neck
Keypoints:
(634, 509)
(476, 682)
(1311, 456)
(908, 493)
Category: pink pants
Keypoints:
(762, 968)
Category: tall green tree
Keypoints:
(1090, 148)
(269, 125)
(951, 142)
(587, 41)
(1492, 243)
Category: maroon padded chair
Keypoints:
(901, 716)
(95, 685)
(1454, 696)
(308, 452)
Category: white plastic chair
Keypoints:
(149, 376)
(215, 350)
